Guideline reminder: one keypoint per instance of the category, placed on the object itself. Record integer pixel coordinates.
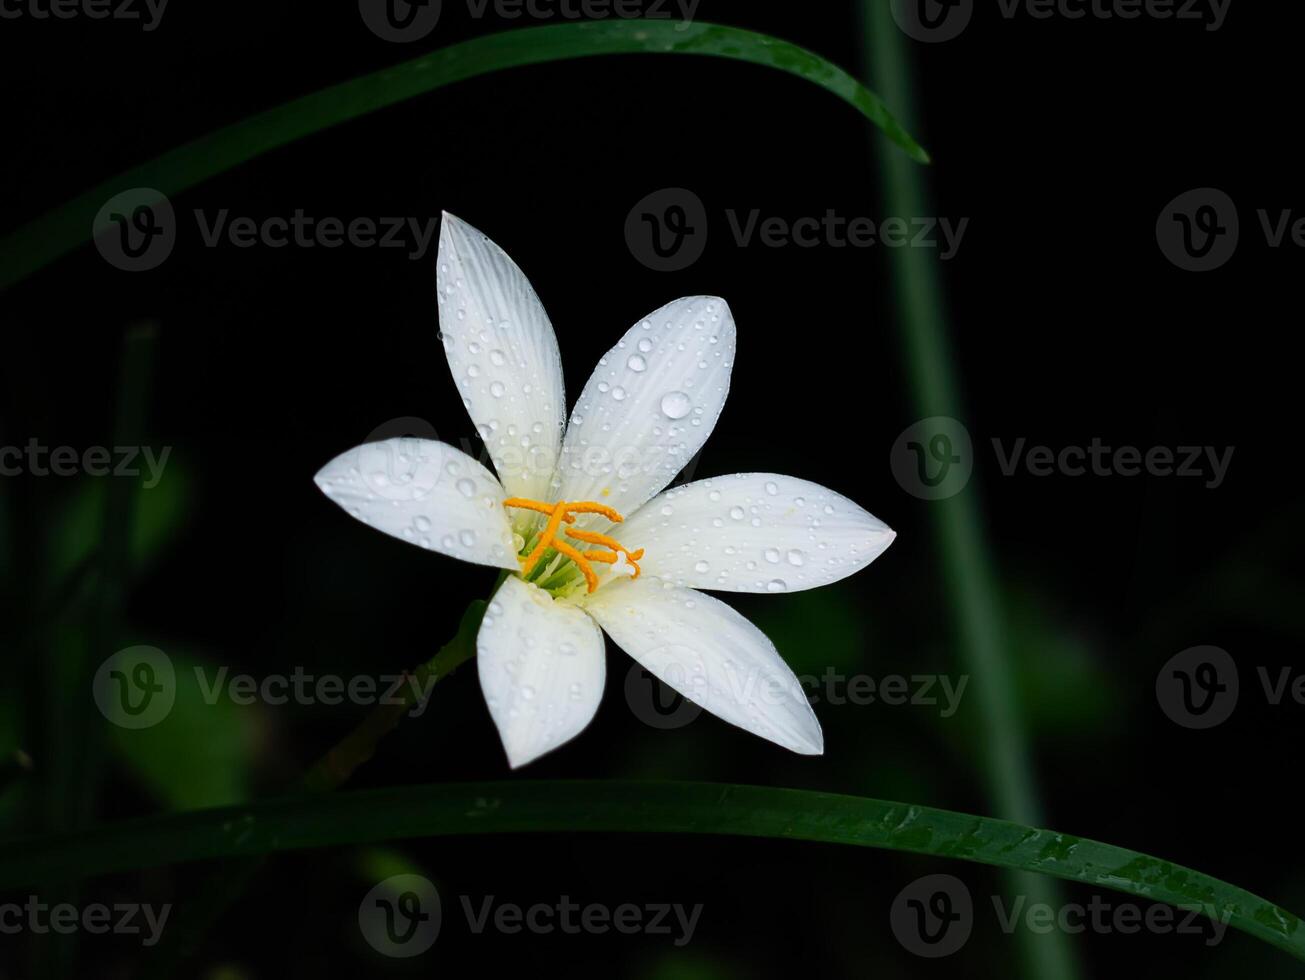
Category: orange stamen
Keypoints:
(584, 566)
(564, 511)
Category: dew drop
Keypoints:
(467, 488)
(776, 585)
(636, 363)
(676, 405)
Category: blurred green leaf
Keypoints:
(615, 806)
(198, 755)
(59, 231)
(1061, 684)
(158, 512)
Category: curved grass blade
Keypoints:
(59, 231)
(639, 807)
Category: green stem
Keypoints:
(335, 767)
(970, 579)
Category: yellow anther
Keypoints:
(564, 512)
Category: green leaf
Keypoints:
(57, 232)
(157, 513)
(195, 757)
(613, 806)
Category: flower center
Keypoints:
(609, 550)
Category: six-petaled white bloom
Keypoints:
(568, 498)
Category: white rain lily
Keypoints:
(551, 515)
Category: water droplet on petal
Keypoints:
(676, 405)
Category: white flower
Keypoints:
(568, 499)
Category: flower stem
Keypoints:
(342, 760)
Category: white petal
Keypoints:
(712, 656)
(754, 532)
(650, 405)
(426, 493)
(541, 667)
(503, 355)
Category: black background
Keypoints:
(1060, 140)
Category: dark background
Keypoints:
(1061, 141)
